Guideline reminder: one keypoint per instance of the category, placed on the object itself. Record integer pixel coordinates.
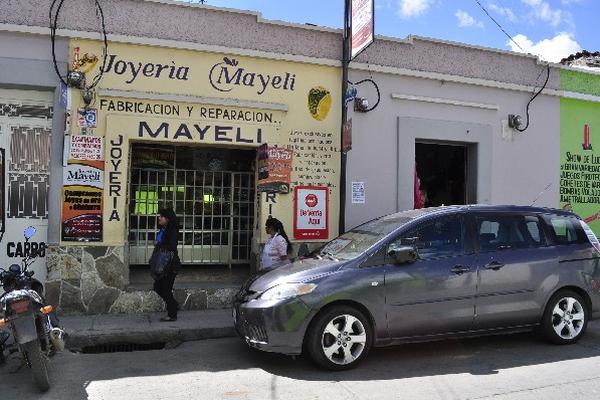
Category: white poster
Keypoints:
(86, 148)
(358, 193)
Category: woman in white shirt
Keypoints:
(278, 245)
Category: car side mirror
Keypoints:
(404, 255)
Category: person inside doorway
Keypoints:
(166, 239)
(278, 247)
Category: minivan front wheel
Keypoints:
(565, 318)
(339, 338)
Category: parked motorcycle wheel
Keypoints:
(39, 365)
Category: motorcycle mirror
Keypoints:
(15, 268)
(29, 232)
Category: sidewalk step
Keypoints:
(95, 330)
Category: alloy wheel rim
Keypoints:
(568, 318)
(344, 339)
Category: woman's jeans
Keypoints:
(164, 288)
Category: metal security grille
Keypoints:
(215, 211)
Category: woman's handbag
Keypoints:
(160, 261)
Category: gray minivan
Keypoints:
(426, 275)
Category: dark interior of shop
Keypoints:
(442, 170)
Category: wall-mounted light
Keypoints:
(361, 104)
(515, 121)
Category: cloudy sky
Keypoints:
(552, 29)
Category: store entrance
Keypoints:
(443, 172)
(212, 192)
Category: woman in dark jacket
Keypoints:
(167, 238)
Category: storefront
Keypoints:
(579, 188)
(183, 129)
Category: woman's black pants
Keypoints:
(164, 288)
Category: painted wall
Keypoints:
(512, 168)
(30, 117)
(579, 141)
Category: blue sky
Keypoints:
(552, 29)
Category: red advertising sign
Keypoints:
(274, 169)
(311, 212)
(363, 25)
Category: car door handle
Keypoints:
(494, 265)
(459, 269)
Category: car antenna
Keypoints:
(541, 193)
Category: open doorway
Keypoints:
(443, 174)
(212, 191)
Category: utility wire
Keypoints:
(536, 93)
(499, 26)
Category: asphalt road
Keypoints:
(509, 367)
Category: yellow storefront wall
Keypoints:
(160, 95)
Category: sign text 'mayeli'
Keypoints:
(200, 132)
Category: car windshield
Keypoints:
(356, 241)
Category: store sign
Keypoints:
(311, 206)
(86, 148)
(363, 25)
(87, 118)
(228, 74)
(223, 133)
(274, 169)
(83, 185)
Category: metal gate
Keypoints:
(215, 211)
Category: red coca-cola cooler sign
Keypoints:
(311, 212)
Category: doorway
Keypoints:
(445, 171)
(212, 192)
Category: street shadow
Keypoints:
(73, 373)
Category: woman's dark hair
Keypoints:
(277, 226)
(169, 214)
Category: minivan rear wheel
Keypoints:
(565, 318)
(340, 338)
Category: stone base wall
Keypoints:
(95, 280)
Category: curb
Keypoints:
(77, 341)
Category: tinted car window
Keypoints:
(566, 230)
(442, 237)
(502, 232)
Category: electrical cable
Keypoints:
(533, 98)
(376, 88)
(53, 15)
(499, 26)
(536, 94)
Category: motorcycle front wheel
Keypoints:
(39, 364)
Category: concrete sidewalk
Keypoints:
(93, 330)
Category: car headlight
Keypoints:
(287, 291)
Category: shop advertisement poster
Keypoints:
(311, 212)
(86, 148)
(358, 193)
(274, 169)
(579, 188)
(363, 25)
(83, 184)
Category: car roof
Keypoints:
(431, 211)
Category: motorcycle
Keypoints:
(34, 327)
